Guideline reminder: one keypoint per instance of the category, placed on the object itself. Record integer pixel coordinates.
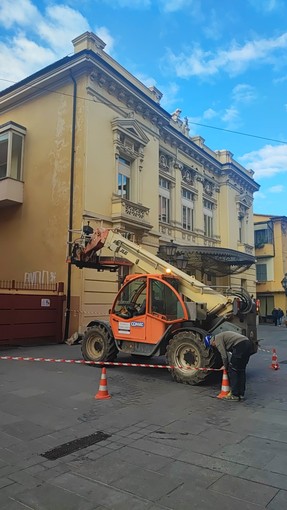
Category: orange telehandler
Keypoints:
(160, 310)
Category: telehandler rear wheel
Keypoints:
(98, 345)
(186, 352)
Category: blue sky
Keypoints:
(222, 62)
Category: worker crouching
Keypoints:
(241, 349)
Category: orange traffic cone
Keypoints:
(225, 389)
(103, 390)
(275, 363)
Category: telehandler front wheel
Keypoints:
(98, 345)
(186, 352)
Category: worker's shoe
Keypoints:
(229, 396)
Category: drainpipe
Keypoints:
(71, 206)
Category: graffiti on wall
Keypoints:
(40, 277)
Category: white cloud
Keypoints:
(170, 95)
(258, 195)
(233, 60)
(18, 12)
(243, 93)
(60, 25)
(104, 34)
(267, 6)
(209, 114)
(148, 81)
(213, 27)
(39, 39)
(282, 79)
(175, 5)
(20, 58)
(276, 189)
(132, 4)
(231, 116)
(268, 161)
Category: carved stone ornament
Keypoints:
(208, 187)
(188, 176)
(164, 162)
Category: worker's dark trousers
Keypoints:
(237, 367)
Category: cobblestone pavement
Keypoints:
(166, 445)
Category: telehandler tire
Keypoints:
(186, 349)
(98, 344)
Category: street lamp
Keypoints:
(284, 283)
(182, 261)
(170, 250)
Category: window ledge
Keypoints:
(11, 192)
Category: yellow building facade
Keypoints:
(83, 140)
(271, 262)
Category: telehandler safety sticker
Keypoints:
(124, 328)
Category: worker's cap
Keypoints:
(207, 341)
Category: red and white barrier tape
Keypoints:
(104, 363)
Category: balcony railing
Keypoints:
(129, 213)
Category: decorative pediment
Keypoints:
(244, 200)
(131, 129)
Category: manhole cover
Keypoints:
(74, 446)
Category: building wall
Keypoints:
(36, 232)
(274, 255)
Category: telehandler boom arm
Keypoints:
(87, 252)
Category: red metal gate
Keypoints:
(31, 317)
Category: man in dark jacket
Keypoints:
(241, 349)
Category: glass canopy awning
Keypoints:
(206, 259)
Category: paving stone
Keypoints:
(278, 464)
(248, 491)
(106, 470)
(155, 447)
(22, 461)
(192, 426)
(218, 436)
(141, 482)
(128, 431)
(246, 456)
(115, 446)
(10, 491)
(264, 444)
(196, 444)
(24, 478)
(140, 458)
(7, 418)
(14, 505)
(187, 498)
(99, 452)
(279, 502)
(4, 482)
(100, 494)
(26, 429)
(265, 477)
(206, 461)
(187, 472)
(6, 440)
(47, 497)
(28, 392)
